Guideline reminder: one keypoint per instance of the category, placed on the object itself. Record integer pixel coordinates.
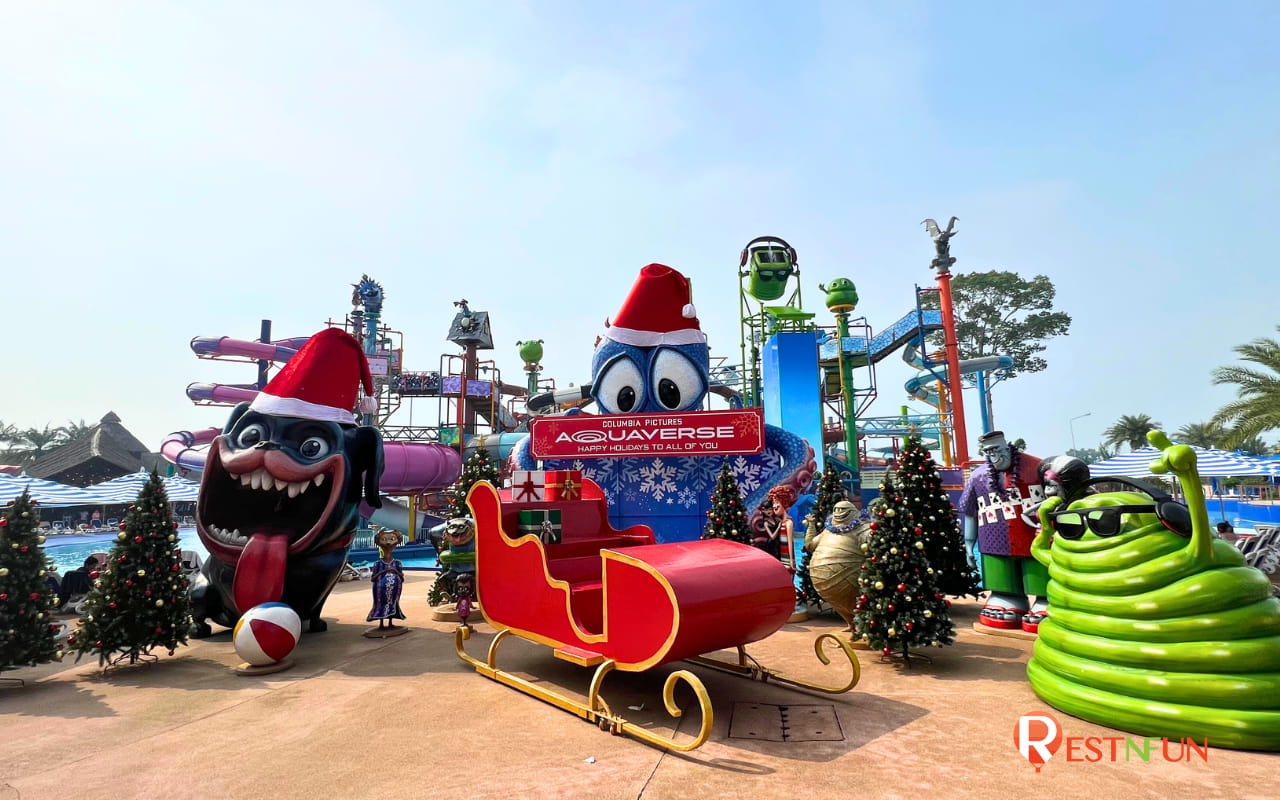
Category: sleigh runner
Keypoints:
(613, 599)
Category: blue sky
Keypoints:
(179, 170)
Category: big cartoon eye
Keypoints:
(619, 389)
(314, 448)
(677, 381)
(251, 435)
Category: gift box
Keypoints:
(543, 523)
(528, 486)
(564, 484)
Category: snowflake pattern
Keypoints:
(746, 473)
(687, 498)
(658, 480)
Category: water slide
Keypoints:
(924, 385)
(409, 467)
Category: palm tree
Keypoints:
(1130, 430)
(1200, 434)
(33, 443)
(74, 431)
(1254, 446)
(1256, 408)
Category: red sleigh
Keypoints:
(614, 599)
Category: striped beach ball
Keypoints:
(266, 633)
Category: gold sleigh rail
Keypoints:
(597, 710)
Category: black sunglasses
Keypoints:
(1106, 520)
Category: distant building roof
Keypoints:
(106, 451)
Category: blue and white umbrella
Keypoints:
(1209, 462)
(124, 489)
(46, 493)
(180, 489)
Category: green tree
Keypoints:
(1131, 430)
(1256, 408)
(1200, 434)
(479, 466)
(1002, 314)
(75, 431)
(32, 443)
(727, 518)
(1254, 446)
(27, 628)
(901, 606)
(140, 601)
(933, 520)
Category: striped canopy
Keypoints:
(1210, 463)
(124, 489)
(180, 489)
(46, 493)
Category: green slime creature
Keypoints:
(1156, 633)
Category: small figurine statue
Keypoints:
(457, 560)
(836, 557)
(778, 526)
(388, 583)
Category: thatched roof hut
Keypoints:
(106, 451)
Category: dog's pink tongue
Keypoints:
(260, 570)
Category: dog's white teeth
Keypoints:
(302, 486)
(294, 490)
(246, 479)
(319, 479)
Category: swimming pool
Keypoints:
(68, 551)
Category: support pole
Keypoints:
(850, 408)
(955, 389)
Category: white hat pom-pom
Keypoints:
(367, 405)
(688, 312)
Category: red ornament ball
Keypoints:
(886, 651)
(902, 587)
(138, 539)
(4, 522)
(112, 604)
(890, 606)
(23, 549)
(95, 574)
(4, 596)
(98, 644)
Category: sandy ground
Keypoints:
(404, 717)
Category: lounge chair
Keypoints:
(59, 527)
(113, 522)
(96, 524)
(190, 561)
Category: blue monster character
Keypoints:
(653, 359)
(281, 489)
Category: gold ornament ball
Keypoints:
(890, 513)
(159, 603)
(4, 572)
(919, 545)
(893, 551)
(122, 536)
(879, 584)
(864, 545)
(14, 546)
(40, 540)
(928, 613)
(893, 632)
(930, 570)
(173, 538)
(40, 615)
(141, 573)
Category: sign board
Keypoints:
(689, 433)
(378, 366)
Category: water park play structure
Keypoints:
(614, 599)
(466, 395)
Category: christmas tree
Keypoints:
(831, 490)
(901, 606)
(727, 518)
(139, 601)
(938, 526)
(480, 466)
(27, 628)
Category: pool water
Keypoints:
(68, 551)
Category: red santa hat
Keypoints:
(320, 382)
(659, 310)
